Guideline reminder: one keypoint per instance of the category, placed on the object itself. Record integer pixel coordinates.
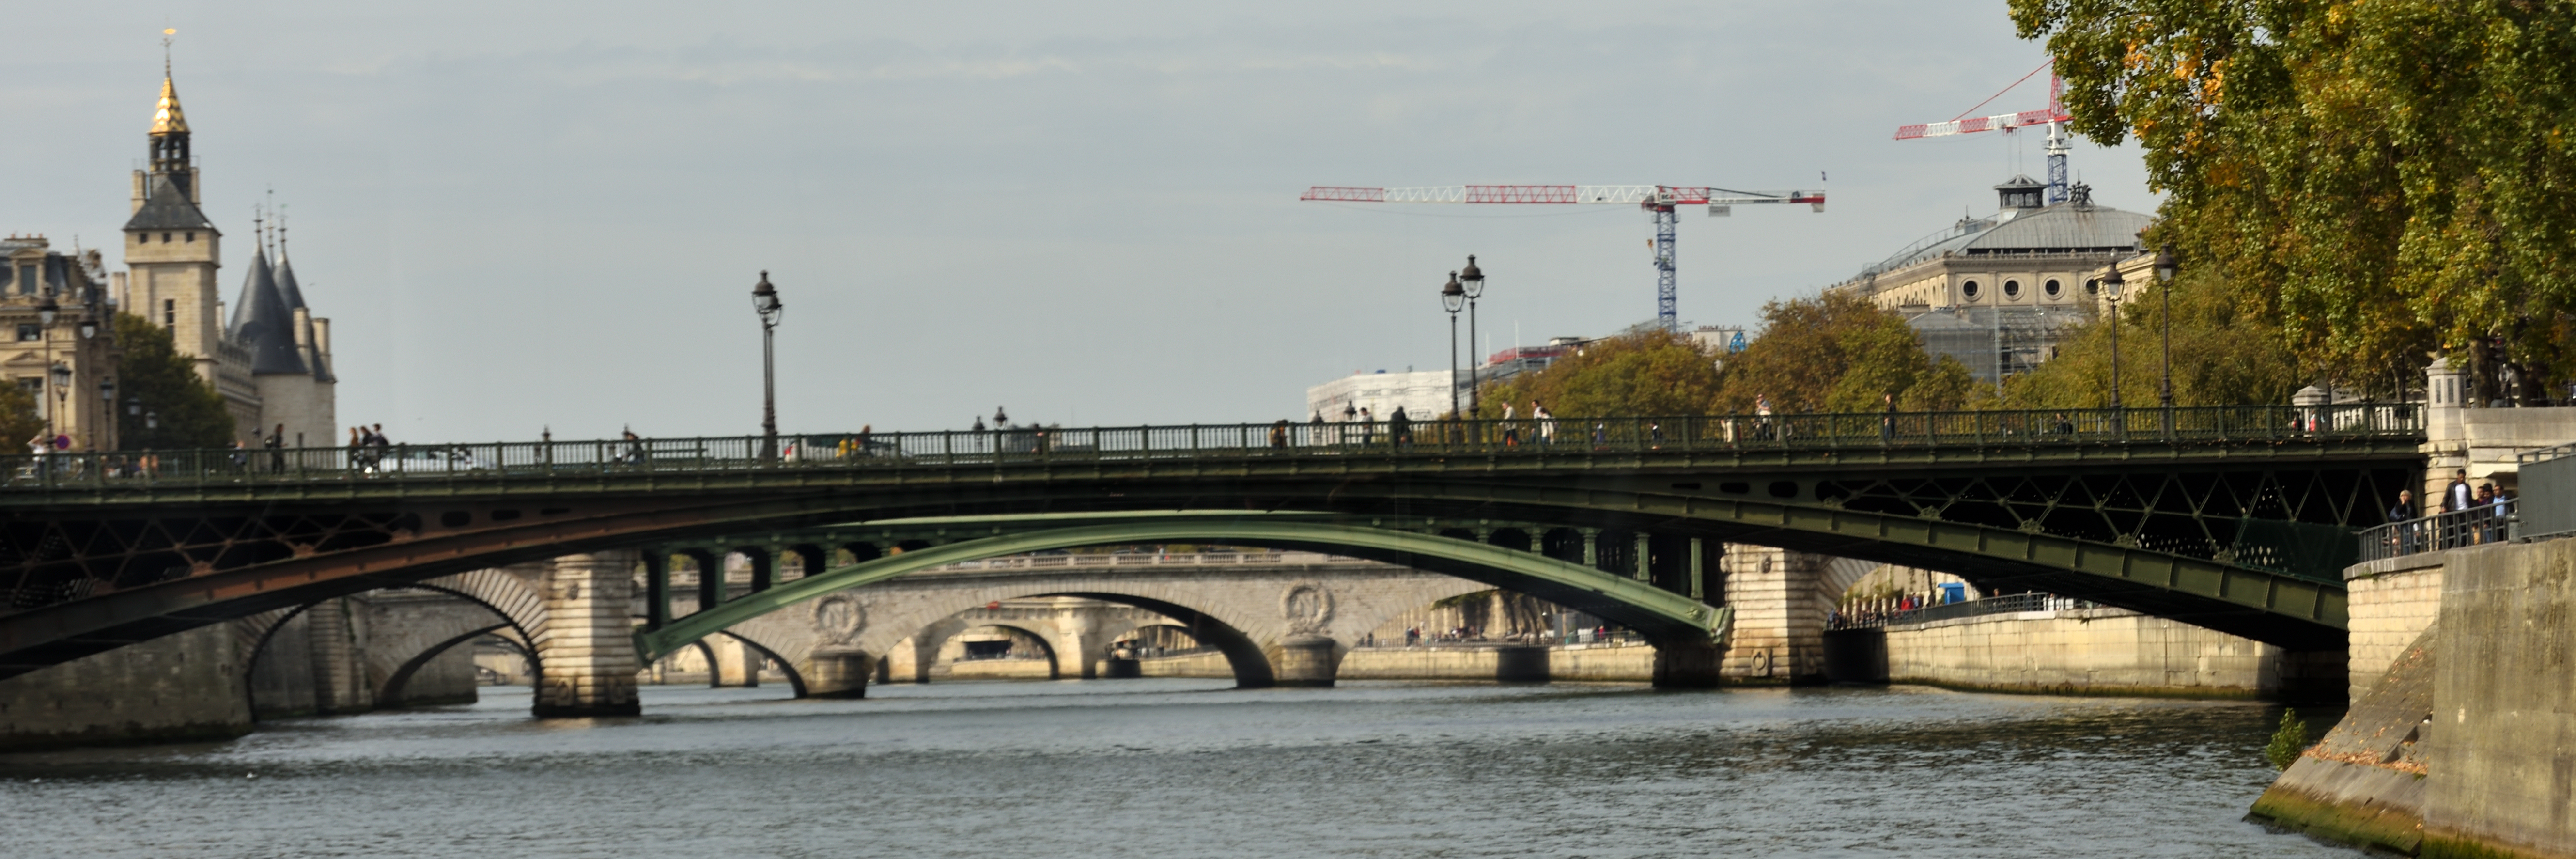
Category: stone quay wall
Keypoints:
(2458, 747)
(2096, 651)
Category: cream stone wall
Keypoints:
(2089, 651)
(2390, 602)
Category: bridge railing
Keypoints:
(1855, 618)
(2500, 522)
(1427, 439)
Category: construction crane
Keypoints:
(2054, 116)
(1662, 200)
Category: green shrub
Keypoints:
(2288, 741)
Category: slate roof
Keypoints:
(263, 324)
(2071, 227)
(165, 207)
(293, 295)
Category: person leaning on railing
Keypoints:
(2399, 532)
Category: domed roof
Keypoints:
(2076, 226)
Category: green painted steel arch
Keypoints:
(1633, 603)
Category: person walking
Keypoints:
(2458, 496)
(1368, 428)
(1887, 419)
(2398, 516)
(1546, 422)
(1400, 429)
(1511, 432)
(276, 445)
(1279, 435)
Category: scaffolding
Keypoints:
(1995, 342)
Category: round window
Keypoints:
(2052, 288)
(2012, 289)
(2092, 286)
(1969, 289)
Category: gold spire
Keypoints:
(168, 119)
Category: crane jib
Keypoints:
(1561, 194)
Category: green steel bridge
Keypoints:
(2235, 518)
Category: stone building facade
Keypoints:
(1995, 292)
(272, 359)
(60, 344)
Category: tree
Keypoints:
(1643, 372)
(2386, 178)
(190, 412)
(18, 420)
(1839, 353)
(2220, 356)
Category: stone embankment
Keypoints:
(2080, 651)
(1515, 663)
(2459, 745)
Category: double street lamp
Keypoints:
(764, 301)
(1460, 293)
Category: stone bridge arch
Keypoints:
(497, 600)
(1267, 623)
(1297, 631)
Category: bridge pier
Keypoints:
(1692, 664)
(1305, 660)
(1779, 635)
(838, 673)
(589, 657)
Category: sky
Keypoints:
(548, 216)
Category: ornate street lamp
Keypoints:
(89, 325)
(133, 405)
(764, 301)
(2111, 284)
(62, 377)
(1453, 297)
(2165, 267)
(1473, 280)
(152, 419)
(107, 410)
(47, 310)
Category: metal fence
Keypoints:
(2009, 604)
(2496, 523)
(1418, 439)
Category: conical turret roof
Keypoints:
(293, 296)
(263, 324)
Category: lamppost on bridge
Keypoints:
(1453, 297)
(46, 312)
(2111, 284)
(2165, 266)
(88, 332)
(62, 374)
(764, 300)
(1473, 279)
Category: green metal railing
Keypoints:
(1563, 436)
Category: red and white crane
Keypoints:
(2054, 116)
(1659, 199)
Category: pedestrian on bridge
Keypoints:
(276, 445)
(1400, 429)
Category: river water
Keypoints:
(1190, 768)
